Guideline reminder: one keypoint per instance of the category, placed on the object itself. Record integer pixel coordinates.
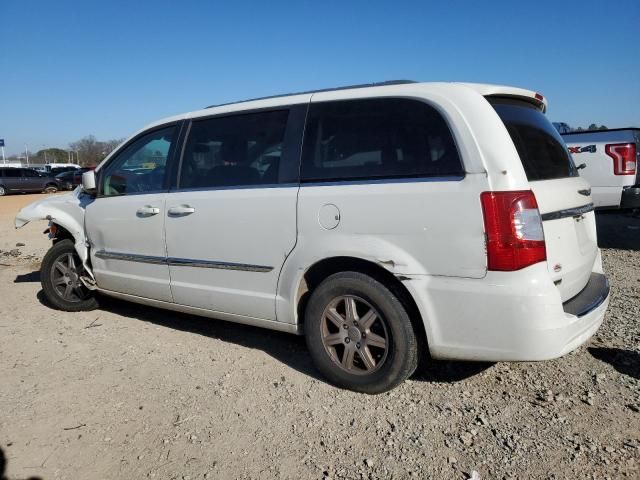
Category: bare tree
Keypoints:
(92, 151)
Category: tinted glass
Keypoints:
(140, 167)
(542, 151)
(13, 172)
(30, 173)
(376, 139)
(236, 150)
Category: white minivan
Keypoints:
(385, 222)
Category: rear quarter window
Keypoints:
(372, 139)
(542, 151)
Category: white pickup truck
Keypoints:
(608, 160)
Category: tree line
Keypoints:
(88, 152)
(593, 126)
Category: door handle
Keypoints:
(181, 211)
(147, 211)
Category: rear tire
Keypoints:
(50, 189)
(59, 276)
(359, 334)
(3, 191)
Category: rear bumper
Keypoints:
(630, 197)
(515, 316)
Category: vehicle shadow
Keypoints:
(623, 361)
(286, 348)
(449, 371)
(33, 277)
(3, 468)
(618, 229)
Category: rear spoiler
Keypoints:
(504, 92)
(518, 99)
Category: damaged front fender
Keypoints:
(66, 211)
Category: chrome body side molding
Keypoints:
(102, 254)
(181, 262)
(186, 262)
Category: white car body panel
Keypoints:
(428, 233)
(114, 226)
(606, 187)
(254, 233)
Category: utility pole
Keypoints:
(26, 154)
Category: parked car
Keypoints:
(61, 169)
(70, 179)
(66, 180)
(23, 180)
(386, 223)
(610, 164)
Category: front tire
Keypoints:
(60, 278)
(3, 191)
(359, 334)
(50, 189)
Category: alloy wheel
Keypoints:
(355, 335)
(65, 277)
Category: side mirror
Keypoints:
(89, 182)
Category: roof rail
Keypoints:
(347, 87)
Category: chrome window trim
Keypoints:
(237, 187)
(569, 212)
(376, 181)
(182, 262)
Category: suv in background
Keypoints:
(24, 180)
(386, 223)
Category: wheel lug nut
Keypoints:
(358, 345)
(364, 335)
(347, 340)
(355, 324)
(345, 326)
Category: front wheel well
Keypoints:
(62, 234)
(327, 267)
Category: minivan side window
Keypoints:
(235, 150)
(371, 139)
(140, 167)
(27, 172)
(13, 172)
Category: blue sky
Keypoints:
(107, 68)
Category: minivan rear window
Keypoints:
(542, 151)
(374, 139)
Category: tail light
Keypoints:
(513, 227)
(624, 157)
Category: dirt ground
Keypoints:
(133, 392)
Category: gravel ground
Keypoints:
(134, 392)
